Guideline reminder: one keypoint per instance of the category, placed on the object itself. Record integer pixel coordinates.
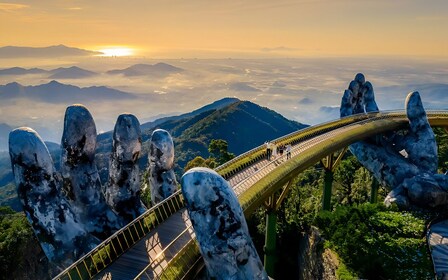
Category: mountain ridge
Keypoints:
(158, 69)
(56, 92)
(49, 51)
(72, 72)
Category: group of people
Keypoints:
(273, 151)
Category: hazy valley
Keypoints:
(304, 90)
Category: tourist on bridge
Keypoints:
(288, 151)
(280, 149)
(268, 150)
(274, 151)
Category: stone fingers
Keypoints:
(62, 236)
(369, 98)
(358, 98)
(162, 179)
(420, 143)
(220, 226)
(346, 108)
(123, 191)
(80, 174)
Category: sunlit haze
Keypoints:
(234, 28)
(116, 51)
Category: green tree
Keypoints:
(20, 254)
(343, 176)
(218, 155)
(218, 149)
(362, 182)
(200, 162)
(145, 195)
(442, 146)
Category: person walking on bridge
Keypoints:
(288, 151)
(273, 151)
(268, 150)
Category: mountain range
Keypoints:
(158, 69)
(73, 72)
(55, 92)
(51, 51)
(21, 71)
(243, 124)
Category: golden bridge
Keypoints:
(160, 244)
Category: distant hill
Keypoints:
(51, 51)
(55, 92)
(71, 73)
(157, 70)
(243, 124)
(213, 106)
(21, 71)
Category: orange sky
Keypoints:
(262, 28)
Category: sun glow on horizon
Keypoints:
(117, 51)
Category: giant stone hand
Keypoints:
(70, 211)
(405, 161)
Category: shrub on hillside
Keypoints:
(378, 243)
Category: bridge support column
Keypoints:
(328, 186)
(330, 163)
(270, 242)
(374, 191)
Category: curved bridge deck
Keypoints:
(160, 243)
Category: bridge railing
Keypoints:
(184, 259)
(246, 159)
(252, 197)
(118, 243)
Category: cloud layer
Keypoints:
(306, 90)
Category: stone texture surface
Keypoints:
(80, 175)
(220, 226)
(123, 191)
(358, 98)
(405, 161)
(68, 210)
(162, 179)
(63, 238)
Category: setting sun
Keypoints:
(117, 51)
